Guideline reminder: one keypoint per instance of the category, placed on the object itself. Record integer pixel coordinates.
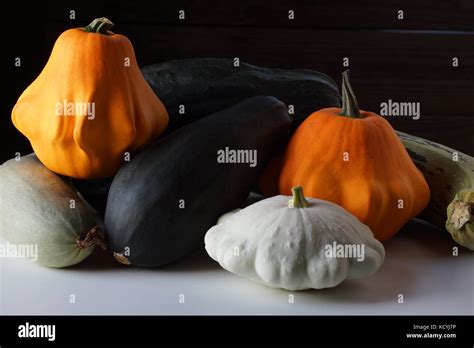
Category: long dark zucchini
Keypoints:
(161, 203)
(206, 85)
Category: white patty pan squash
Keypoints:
(41, 212)
(294, 243)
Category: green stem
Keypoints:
(298, 200)
(350, 108)
(100, 25)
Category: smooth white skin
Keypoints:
(283, 247)
(34, 210)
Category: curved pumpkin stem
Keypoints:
(298, 200)
(99, 25)
(350, 107)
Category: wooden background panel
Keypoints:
(384, 53)
(388, 60)
(398, 65)
(375, 54)
(370, 14)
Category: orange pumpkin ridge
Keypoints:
(355, 159)
(95, 72)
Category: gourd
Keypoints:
(355, 159)
(450, 176)
(164, 200)
(38, 208)
(90, 105)
(196, 87)
(294, 242)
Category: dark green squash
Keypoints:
(206, 85)
(161, 203)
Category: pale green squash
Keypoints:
(39, 208)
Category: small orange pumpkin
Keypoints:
(90, 105)
(355, 159)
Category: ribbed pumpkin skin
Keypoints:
(89, 68)
(378, 173)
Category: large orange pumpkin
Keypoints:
(355, 159)
(90, 105)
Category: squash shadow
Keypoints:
(390, 280)
(417, 241)
(101, 260)
(432, 242)
(381, 287)
(197, 261)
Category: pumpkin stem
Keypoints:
(298, 200)
(350, 108)
(99, 25)
(94, 236)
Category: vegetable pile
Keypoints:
(366, 170)
(144, 213)
(156, 164)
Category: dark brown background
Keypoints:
(406, 60)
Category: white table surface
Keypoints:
(419, 265)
